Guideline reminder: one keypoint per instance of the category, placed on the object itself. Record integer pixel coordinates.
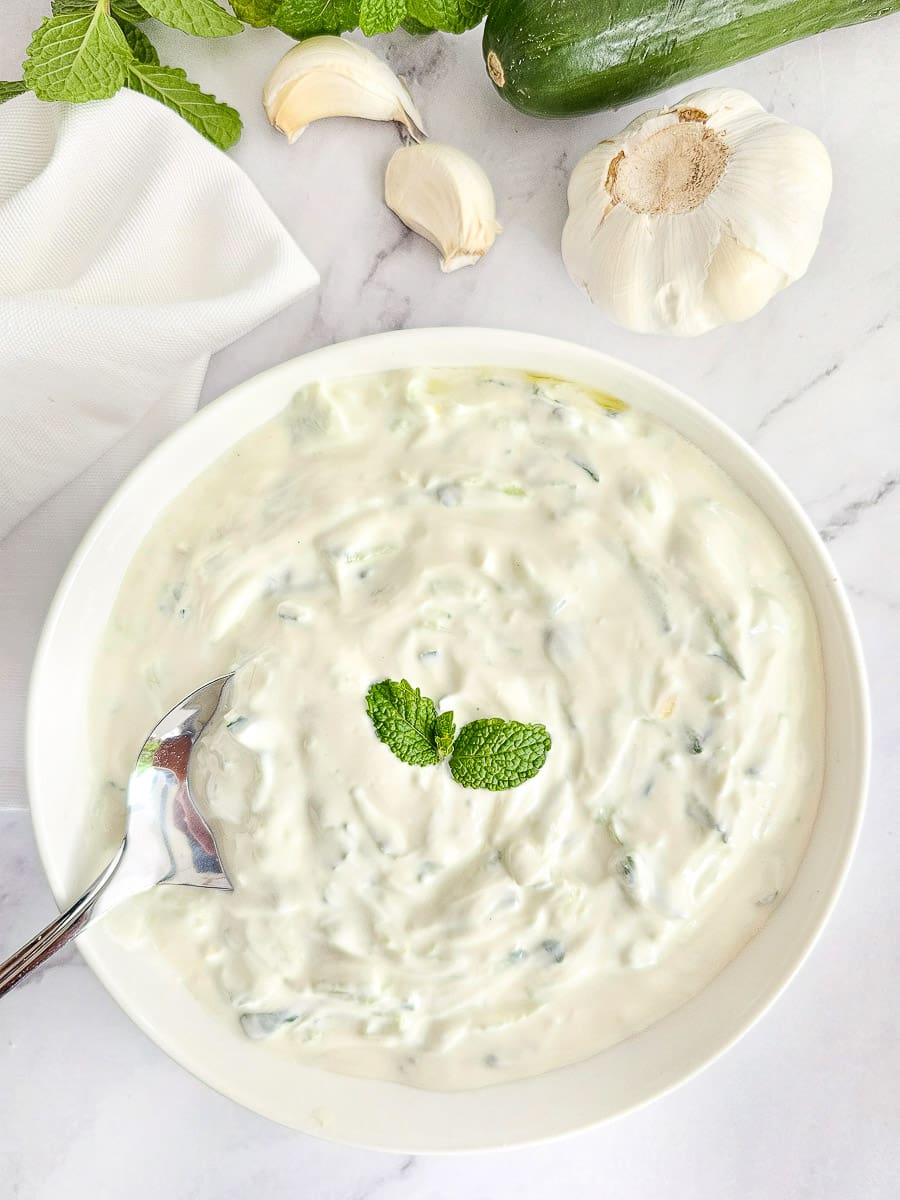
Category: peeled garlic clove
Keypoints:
(333, 77)
(697, 214)
(444, 195)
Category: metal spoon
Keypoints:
(166, 839)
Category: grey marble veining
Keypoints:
(808, 1104)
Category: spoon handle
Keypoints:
(55, 935)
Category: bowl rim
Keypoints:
(456, 342)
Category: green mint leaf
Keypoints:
(129, 10)
(218, 122)
(141, 47)
(305, 18)
(203, 18)
(444, 733)
(77, 57)
(405, 720)
(453, 16)
(63, 8)
(381, 16)
(10, 88)
(498, 754)
(411, 25)
(256, 12)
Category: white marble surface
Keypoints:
(808, 1104)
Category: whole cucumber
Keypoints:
(555, 58)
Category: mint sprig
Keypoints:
(88, 49)
(488, 753)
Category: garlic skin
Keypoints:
(444, 196)
(696, 215)
(333, 77)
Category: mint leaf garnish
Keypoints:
(444, 733)
(10, 88)
(405, 720)
(380, 16)
(203, 18)
(82, 56)
(489, 753)
(141, 47)
(218, 122)
(497, 754)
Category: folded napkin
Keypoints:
(130, 250)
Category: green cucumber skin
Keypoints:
(564, 57)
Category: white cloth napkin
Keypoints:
(130, 250)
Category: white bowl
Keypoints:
(390, 1116)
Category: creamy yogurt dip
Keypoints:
(517, 547)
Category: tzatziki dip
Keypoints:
(516, 547)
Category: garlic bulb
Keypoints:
(333, 77)
(444, 195)
(697, 214)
